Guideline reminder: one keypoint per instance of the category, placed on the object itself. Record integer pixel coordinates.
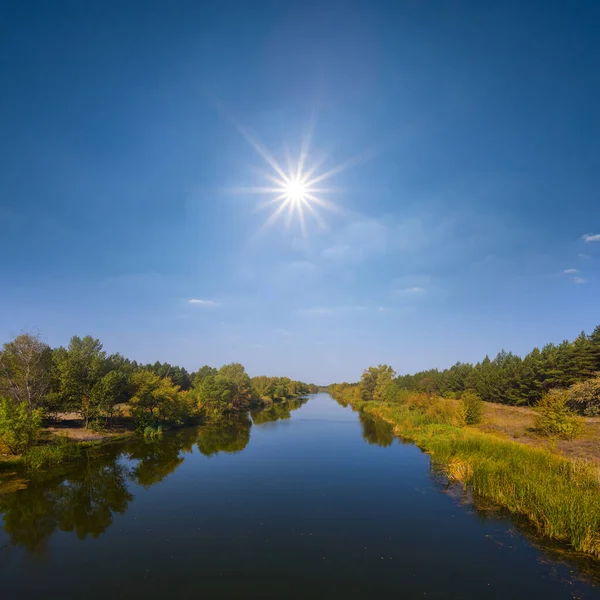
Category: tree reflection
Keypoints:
(160, 457)
(376, 431)
(277, 411)
(83, 497)
(82, 500)
(228, 435)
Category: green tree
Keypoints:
(368, 381)
(19, 426)
(156, 399)
(216, 395)
(25, 365)
(203, 372)
(385, 387)
(236, 373)
(555, 416)
(80, 370)
(473, 407)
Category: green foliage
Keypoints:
(560, 497)
(242, 394)
(373, 380)
(202, 373)
(152, 433)
(271, 389)
(473, 407)
(584, 397)
(156, 400)
(178, 375)
(25, 370)
(508, 378)
(53, 453)
(227, 435)
(556, 418)
(80, 370)
(19, 427)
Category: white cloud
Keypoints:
(571, 271)
(586, 256)
(579, 280)
(591, 237)
(206, 303)
(416, 289)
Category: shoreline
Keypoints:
(559, 496)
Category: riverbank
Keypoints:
(65, 438)
(559, 496)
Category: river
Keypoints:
(305, 500)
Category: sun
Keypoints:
(296, 191)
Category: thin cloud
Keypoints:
(586, 256)
(579, 280)
(591, 237)
(571, 271)
(319, 311)
(207, 303)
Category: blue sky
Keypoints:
(473, 134)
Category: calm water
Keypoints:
(307, 502)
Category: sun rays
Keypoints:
(297, 192)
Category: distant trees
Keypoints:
(37, 381)
(562, 381)
(510, 379)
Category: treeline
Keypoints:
(38, 382)
(510, 379)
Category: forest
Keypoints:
(40, 384)
(571, 367)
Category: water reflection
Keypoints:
(277, 411)
(376, 431)
(83, 497)
(83, 501)
(521, 531)
(225, 436)
(158, 458)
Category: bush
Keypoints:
(151, 433)
(556, 418)
(19, 427)
(54, 453)
(584, 397)
(473, 408)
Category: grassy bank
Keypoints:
(561, 497)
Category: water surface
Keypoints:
(305, 500)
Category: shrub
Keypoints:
(584, 397)
(556, 418)
(473, 408)
(54, 453)
(18, 426)
(151, 433)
